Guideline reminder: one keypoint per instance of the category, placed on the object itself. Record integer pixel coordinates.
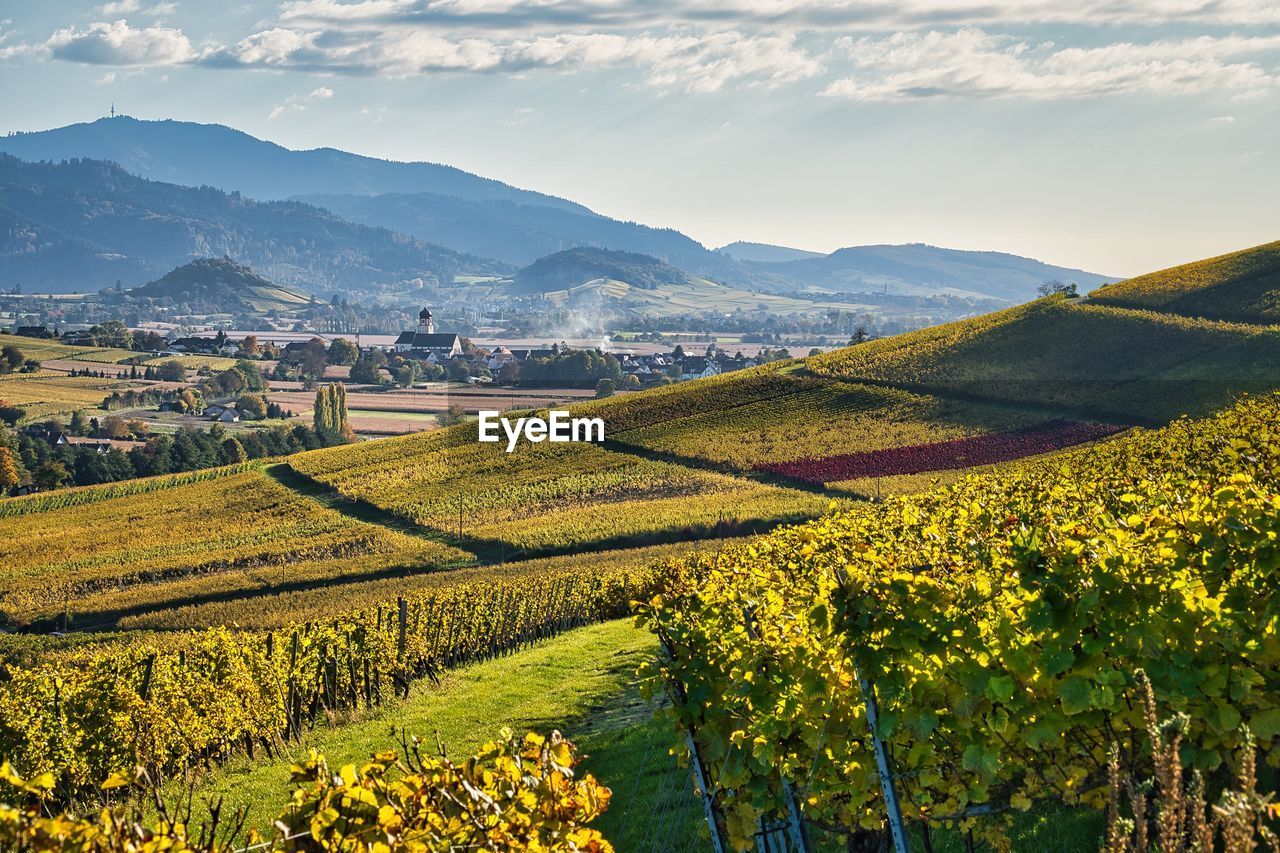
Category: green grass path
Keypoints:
(582, 683)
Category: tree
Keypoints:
(233, 451)
(314, 358)
(1052, 288)
(631, 382)
(455, 414)
(11, 359)
(10, 472)
(171, 371)
(605, 388)
(510, 373)
(252, 405)
(342, 351)
(249, 347)
(50, 474)
(366, 372)
(330, 417)
(79, 423)
(405, 374)
(322, 416)
(114, 426)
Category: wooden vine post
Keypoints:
(891, 805)
(695, 758)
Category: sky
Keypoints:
(1118, 136)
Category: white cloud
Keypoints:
(298, 103)
(865, 15)
(1222, 120)
(119, 44)
(971, 63)
(696, 62)
(119, 7)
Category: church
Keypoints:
(426, 341)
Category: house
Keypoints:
(215, 410)
(98, 445)
(426, 341)
(499, 359)
(228, 416)
(698, 367)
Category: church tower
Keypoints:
(425, 324)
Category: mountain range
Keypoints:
(82, 225)
(322, 220)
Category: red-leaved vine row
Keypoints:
(944, 455)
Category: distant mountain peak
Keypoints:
(195, 154)
(765, 252)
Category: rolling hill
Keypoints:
(627, 284)
(765, 253)
(219, 285)
(1242, 286)
(83, 225)
(918, 269)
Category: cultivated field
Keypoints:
(435, 400)
(218, 536)
(43, 396)
(546, 497)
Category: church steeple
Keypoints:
(425, 323)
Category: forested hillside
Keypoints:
(84, 225)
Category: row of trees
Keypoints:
(25, 460)
(330, 415)
(33, 458)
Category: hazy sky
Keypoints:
(1115, 135)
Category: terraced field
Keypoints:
(215, 537)
(547, 498)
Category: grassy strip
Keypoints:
(581, 683)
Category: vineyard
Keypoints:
(819, 420)
(1133, 366)
(513, 794)
(1243, 286)
(85, 713)
(271, 608)
(970, 452)
(41, 396)
(1043, 524)
(548, 498)
(150, 549)
(195, 362)
(984, 637)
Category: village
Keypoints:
(447, 355)
(129, 402)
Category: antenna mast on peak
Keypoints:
(113, 109)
